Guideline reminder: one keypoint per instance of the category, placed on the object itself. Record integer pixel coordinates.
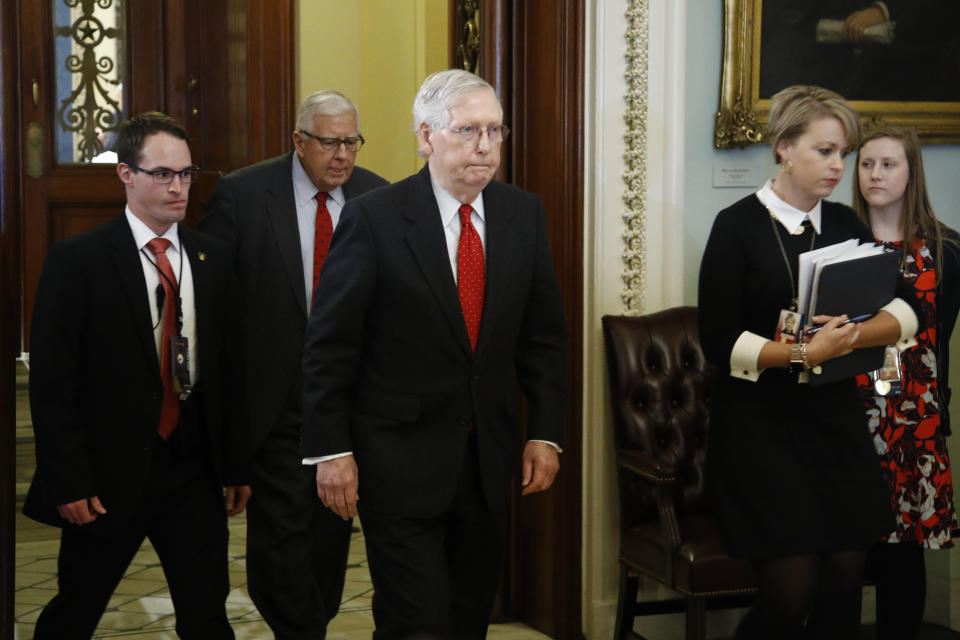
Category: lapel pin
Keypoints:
(202, 256)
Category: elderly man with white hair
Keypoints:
(437, 303)
(279, 216)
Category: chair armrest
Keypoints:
(663, 476)
(646, 466)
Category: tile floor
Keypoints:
(141, 608)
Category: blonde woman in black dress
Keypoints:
(796, 483)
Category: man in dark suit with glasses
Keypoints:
(279, 216)
(437, 305)
(133, 396)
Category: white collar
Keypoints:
(450, 206)
(786, 214)
(142, 234)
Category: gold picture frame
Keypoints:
(744, 112)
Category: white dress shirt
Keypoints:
(450, 219)
(182, 271)
(305, 197)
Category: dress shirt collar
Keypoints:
(786, 214)
(304, 189)
(142, 234)
(450, 206)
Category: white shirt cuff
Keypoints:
(744, 356)
(907, 319)
(325, 458)
(307, 461)
(552, 444)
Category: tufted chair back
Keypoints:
(660, 394)
(660, 386)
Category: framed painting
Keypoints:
(897, 62)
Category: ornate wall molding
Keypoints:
(635, 155)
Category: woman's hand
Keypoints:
(832, 340)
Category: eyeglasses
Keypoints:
(165, 176)
(496, 133)
(332, 144)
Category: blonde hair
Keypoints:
(793, 109)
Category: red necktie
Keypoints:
(170, 409)
(470, 274)
(321, 239)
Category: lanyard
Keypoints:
(173, 285)
(786, 261)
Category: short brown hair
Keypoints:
(132, 134)
(793, 109)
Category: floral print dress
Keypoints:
(905, 427)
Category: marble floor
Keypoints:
(141, 608)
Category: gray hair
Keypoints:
(324, 103)
(441, 92)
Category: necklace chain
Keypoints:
(786, 261)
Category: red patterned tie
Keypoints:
(321, 239)
(471, 280)
(170, 409)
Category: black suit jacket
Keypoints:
(389, 373)
(95, 385)
(253, 209)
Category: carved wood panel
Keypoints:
(532, 53)
(224, 68)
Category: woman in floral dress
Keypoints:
(907, 401)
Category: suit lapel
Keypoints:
(426, 240)
(282, 214)
(499, 252)
(126, 259)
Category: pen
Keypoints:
(812, 330)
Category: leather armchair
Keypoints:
(660, 393)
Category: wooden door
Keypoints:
(531, 51)
(224, 68)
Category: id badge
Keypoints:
(788, 327)
(180, 350)
(888, 379)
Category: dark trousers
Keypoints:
(182, 514)
(296, 548)
(901, 578)
(437, 577)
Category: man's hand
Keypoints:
(82, 511)
(540, 465)
(235, 499)
(337, 484)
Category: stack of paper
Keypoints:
(852, 279)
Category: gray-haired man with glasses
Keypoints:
(279, 215)
(437, 305)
